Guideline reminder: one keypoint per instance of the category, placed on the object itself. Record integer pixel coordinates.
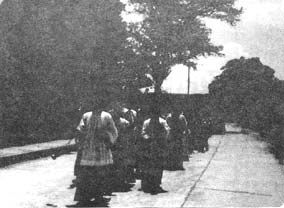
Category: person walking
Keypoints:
(206, 129)
(154, 133)
(138, 140)
(120, 151)
(206, 133)
(176, 142)
(94, 170)
(130, 151)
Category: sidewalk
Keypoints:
(235, 172)
(241, 174)
(17, 154)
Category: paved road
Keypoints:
(236, 171)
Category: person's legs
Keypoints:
(190, 144)
(206, 144)
(130, 177)
(170, 163)
(203, 144)
(120, 176)
(200, 145)
(185, 148)
(93, 183)
(105, 182)
(146, 182)
(76, 168)
(177, 157)
(77, 162)
(156, 181)
(82, 193)
(180, 156)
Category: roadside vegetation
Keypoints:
(56, 54)
(248, 93)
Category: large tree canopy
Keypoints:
(247, 92)
(173, 32)
(54, 54)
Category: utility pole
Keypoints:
(188, 81)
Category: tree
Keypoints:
(55, 55)
(174, 32)
(246, 92)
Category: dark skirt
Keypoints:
(77, 162)
(93, 182)
(151, 179)
(119, 167)
(175, 156)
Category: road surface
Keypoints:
(236, 171)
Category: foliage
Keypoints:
(174, 32)
(248, 93)
(55, 57)
(58, 56)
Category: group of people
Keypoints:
(117, 145)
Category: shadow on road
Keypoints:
(104, 202)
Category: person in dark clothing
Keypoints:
(120, 150)
(138, 140)
(204, 129)
(176, 141)
(201, 129)
(130, 150)
(276, 136)
(206, 132)
(154, 133)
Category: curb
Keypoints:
(12, 159)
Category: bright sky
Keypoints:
(260, 33)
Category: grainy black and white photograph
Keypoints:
(141, 103)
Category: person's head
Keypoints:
(176, 111)
(154, 107)
(154, 111)
(116, 110)
(102, 97)
(101, 91)
(100, 103)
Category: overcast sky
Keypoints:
(260, 33)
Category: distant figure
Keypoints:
(154, 133)
(206, 133)
(276, 136)
(141, 117)
(121, 155)
(94, 171)
(177, 140)
(202, 130)
(131, 116)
